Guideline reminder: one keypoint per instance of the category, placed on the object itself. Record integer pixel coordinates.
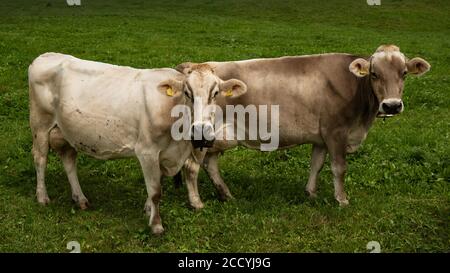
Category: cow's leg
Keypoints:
(178, 180)
(40, 123)
(318, 156)
(69, 159)
(337, 150)
(68, 156)
(211, 164)
(152, 176)
(40, 152)
(191, 170)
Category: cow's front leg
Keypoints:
(191, 170)
(337, 150)
(338, 167)
(211, 164)
(152, 175)
(317, 159)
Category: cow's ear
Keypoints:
(232, 88)
(418, 66)
(359, 67)
(171, 87)
(185, 68)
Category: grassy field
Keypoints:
(398, 182)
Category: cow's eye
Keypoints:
(186, 93)
(374, 75)
(215, 93)
(404, 74)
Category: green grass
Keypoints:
(398, 182)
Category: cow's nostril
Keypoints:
(392, 108)
(202, 132)
(196, 132)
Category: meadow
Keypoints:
(398, 182)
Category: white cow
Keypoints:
(109, 111)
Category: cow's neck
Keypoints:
(366, 107)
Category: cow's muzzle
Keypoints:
(202, 135)
(390, 107)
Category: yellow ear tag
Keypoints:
(229, 93)
(169, 92)
(362, 73)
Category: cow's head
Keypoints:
(200, 88)
(387, 69)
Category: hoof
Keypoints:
(311, 194)
(197, 205)
(343, 203)
(157, 229)
(82, 202)
(225, 197)
(43, 199)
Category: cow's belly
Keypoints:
(291, 132)
(297, 136)
(100, 135)
(172, 158)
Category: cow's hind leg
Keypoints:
(318, 156)
(40, 152)
(211, 164)
(68, 156)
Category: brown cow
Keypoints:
(328, 100)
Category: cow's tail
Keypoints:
(178, 180)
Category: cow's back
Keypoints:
(100, 108)
(308, 89)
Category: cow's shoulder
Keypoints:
(158, 74)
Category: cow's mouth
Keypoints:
(384, 115)
(202, 143)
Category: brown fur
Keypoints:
(321, 102)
